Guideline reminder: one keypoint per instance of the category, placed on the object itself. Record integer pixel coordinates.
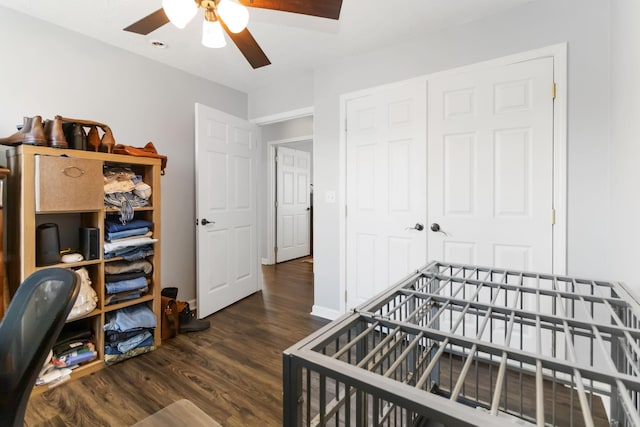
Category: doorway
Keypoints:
(293, 200)
(291, 133)
(290, 223)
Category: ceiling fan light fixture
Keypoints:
(180, 12)
(234, 15)
(212, 34)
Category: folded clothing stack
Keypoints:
(128, 333)
(125, 190)
(131, 241)
(73, 348)
(126, 280)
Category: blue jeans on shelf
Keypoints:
(133, 342)
(114, 235)
(113, 348)
(131, 253)
(126, 285)
(112, 226)
(137, 316)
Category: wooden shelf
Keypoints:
(70, 264)
(95, 312)
(117, 210)
(113, 307)
(80, 371)
(65, 212)
(26, 183)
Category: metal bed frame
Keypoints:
(462, 345)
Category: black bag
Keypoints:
(75, 134)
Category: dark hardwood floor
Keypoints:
(233, 371)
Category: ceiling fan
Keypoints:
(232, 17)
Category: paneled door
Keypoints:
(293, 208)
(386, 188)
(491, 186)
(491, 166)
(227, 259)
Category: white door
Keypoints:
(227, 239)
(491, 166)
(491, 182)
(386, 188)
(293, 203)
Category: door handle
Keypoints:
(418, 227)
(435, 227)
(205, 221)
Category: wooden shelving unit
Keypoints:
(33, 170)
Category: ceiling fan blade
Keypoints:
(321, 8)
(149, 23)
(248, 46)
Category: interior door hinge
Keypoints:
(553, 216)
(553, 91)
(276, 158)
(275, 203)
(275, 249)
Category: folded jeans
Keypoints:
(126, 285)
(137, 316)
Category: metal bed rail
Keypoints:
(456, 344)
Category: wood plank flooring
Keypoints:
(233, 371)
(561, 403)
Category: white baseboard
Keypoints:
(325, 313)
(265, 261)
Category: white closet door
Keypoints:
(491, 166)
(386, 188)
(491, 182)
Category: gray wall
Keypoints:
(47, 70)
(286, 95)
(625, 147)
(584, 24)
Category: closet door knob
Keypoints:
(205, 221)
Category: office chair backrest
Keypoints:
(30, 327)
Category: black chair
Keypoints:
(29, 329)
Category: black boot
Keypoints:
(189, 323)
(170, 291)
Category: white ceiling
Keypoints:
(294, 43)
